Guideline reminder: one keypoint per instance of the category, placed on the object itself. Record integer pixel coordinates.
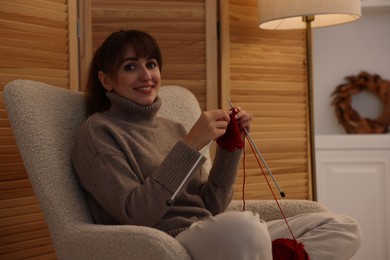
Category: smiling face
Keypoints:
(137, 79)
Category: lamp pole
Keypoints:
(308, 34)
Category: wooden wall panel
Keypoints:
(38, 41)
(264, 72)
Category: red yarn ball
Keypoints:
(232, 139)
(288, 249)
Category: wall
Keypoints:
(344, 50)
(354, 168)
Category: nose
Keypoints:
(145, 74)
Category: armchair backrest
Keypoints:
(45, 120)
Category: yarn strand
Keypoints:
(272, 191)
(243, 177)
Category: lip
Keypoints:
(145, 89)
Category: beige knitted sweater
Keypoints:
(130, 162)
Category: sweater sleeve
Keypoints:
(218, 190)
(105, 173)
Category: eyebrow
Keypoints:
(135, 58)
(129, 59)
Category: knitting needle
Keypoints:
(171, 200)
(261, 157)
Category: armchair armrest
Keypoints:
(91, 241)
(268, 209)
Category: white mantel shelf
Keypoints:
(352, 142)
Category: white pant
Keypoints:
(235, 235)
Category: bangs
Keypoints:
(145, 47)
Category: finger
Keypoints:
(245, 125)
(239, 112)
(221, 115)
(242, 114)
(245, 120)
(221, 124)
(246, 117)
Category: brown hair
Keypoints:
(108, 58)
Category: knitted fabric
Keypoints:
(232, 139)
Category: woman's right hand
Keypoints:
(210, 125)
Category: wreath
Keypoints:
(352, 122)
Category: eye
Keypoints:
(129, 66)
(151, 64)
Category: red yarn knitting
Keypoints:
(232, 138)
(282, 248)
(288, 249)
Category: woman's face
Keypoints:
(137, 79)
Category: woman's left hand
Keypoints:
(244, 119)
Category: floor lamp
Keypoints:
(307, 14)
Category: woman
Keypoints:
(131, 162)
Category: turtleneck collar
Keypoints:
(128, 110)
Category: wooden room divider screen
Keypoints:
(213, 48)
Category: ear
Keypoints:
(105, 80)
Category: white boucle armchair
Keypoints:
(45, 120)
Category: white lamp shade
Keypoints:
(288, 14)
